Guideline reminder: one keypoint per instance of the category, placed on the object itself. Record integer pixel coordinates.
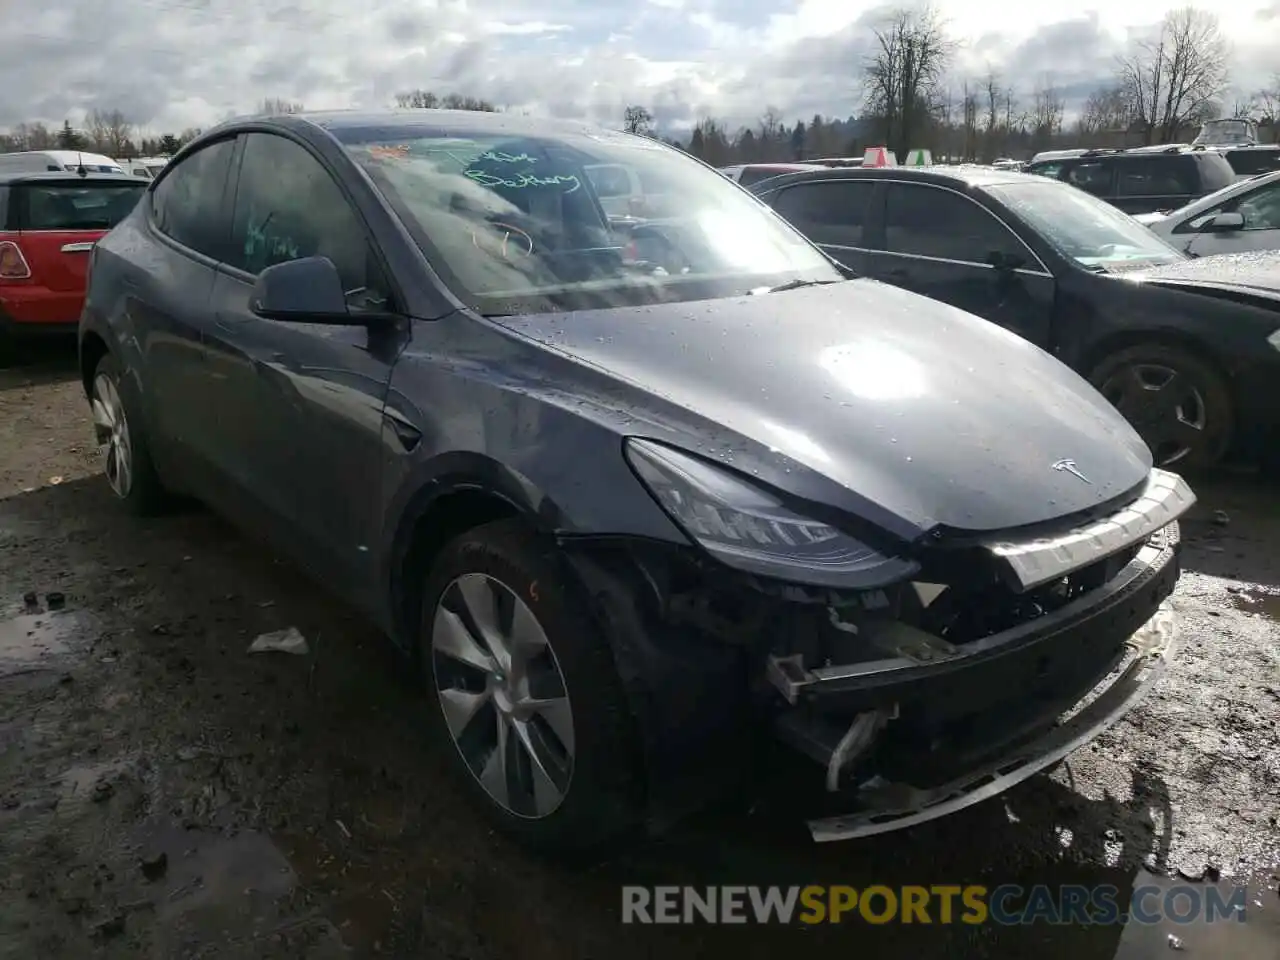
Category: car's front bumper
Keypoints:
(885, 806)
(1027, 698)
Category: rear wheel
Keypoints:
(1178, 403)
(528, 702)
(126, 456)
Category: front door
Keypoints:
(946, 246)
(306, 400)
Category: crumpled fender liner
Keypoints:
(690, 695)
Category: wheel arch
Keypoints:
(436, 513)
(1163, 336)
(93, 347)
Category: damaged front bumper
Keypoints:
(1025, 697)
(887, 806)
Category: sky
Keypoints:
(171, 64)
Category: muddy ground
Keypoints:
(163, 793)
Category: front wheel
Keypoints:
(528, 702)
(1178, 403)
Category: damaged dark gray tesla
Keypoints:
(634, 492)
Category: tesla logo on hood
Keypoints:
(1069, 466)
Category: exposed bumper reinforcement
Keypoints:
(887, 807)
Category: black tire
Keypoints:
(145, 494)
(604, 796)
(1207, 389)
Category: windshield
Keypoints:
(517, 225)
(1226, 131)
(99, 206)
(1091, 232)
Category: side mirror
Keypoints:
(1221, 223)
(308, 290)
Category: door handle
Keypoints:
(77, 247)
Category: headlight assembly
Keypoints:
(749, 529)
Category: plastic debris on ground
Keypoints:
(288, 640)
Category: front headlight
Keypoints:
(750, 530)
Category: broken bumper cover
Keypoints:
(882, 807)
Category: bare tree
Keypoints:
(1046, 112)
(636, 119)
(903, 76)
(273, 106)
(110, 133)
(1172, 78)
(969, 106)
(1106, 110)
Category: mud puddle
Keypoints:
(32, 642)
(1258, 601)
(1230, 919)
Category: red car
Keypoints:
(49, 223)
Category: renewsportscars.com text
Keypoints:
(1005, 905)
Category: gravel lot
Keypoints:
(163, 793)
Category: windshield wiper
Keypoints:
(794, 285)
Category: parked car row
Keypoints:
(1189, 357)
(632, 499)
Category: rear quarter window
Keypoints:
(76, 206)
(1249, 163)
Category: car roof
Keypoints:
(66, 176)
(472, 121)
(964, 176)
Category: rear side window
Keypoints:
(932, 222)
(1158, 177)
(831, 212)
(75, 206)
(187, 205)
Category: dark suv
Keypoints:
(1142, 181)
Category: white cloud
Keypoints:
(168, 64)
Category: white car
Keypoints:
(1236, 219)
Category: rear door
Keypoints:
(1157, 182)
(58, 223)
(835, 214)
(172, 263)
(945, 245)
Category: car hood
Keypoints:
(870, 399)
(1257, 270)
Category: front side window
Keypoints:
(833, 212)
(1157, 177)
(1260, 208)
(77, 205)
(1092, 232)
(187, 205)
(932, 222)
(515, 223)
(287, 207)
(1250, 163)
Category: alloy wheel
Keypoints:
(502, 695)
(111, 426)
(1163, 404)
